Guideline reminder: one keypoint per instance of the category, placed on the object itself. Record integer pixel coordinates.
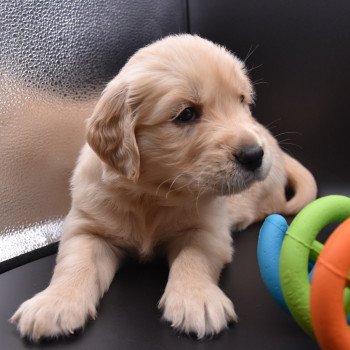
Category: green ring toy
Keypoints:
(298, 247)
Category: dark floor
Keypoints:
(128, 315)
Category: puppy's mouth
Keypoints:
(240, 178)
(220, 179)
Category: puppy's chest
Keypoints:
(146, 228)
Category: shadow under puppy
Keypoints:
(174, 160)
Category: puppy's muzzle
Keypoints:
(250, 157)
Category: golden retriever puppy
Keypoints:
(174, 160)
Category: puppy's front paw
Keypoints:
(203, 310)
(50, 314)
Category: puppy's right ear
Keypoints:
(111, 131)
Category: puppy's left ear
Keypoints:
(111, 131)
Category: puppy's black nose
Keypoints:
(250, 157)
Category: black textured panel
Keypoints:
(55, 57)
(302, 54)
(72, 45)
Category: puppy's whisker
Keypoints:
(177, 177)
(172, 184)
(290, 144)
(250, 52)
(165, 181)
(253, 68)
(271, 124)
(284, 140)
(288, 132)
(259, 82)
(230, 190)
(158, 188)
(226, 147)
(200, 193)
(287, 150)
(179, 188)
(201, 173)
(203, 188)
(229, 184)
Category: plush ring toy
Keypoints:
(330, 277)
(296, 250)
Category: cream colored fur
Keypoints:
(145, 183)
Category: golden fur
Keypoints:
(146, 183)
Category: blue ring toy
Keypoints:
(270, 241)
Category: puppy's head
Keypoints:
(177, 118)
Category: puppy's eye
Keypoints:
(188, 115)
(241, 98)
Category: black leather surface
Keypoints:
(128, 316)
(301, 51)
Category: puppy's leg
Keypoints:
(192, 300)
(85, 268)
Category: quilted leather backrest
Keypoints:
(55, 58)
(298, 54)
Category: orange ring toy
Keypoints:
(330, 278)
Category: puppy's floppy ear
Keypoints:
(111, 131)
